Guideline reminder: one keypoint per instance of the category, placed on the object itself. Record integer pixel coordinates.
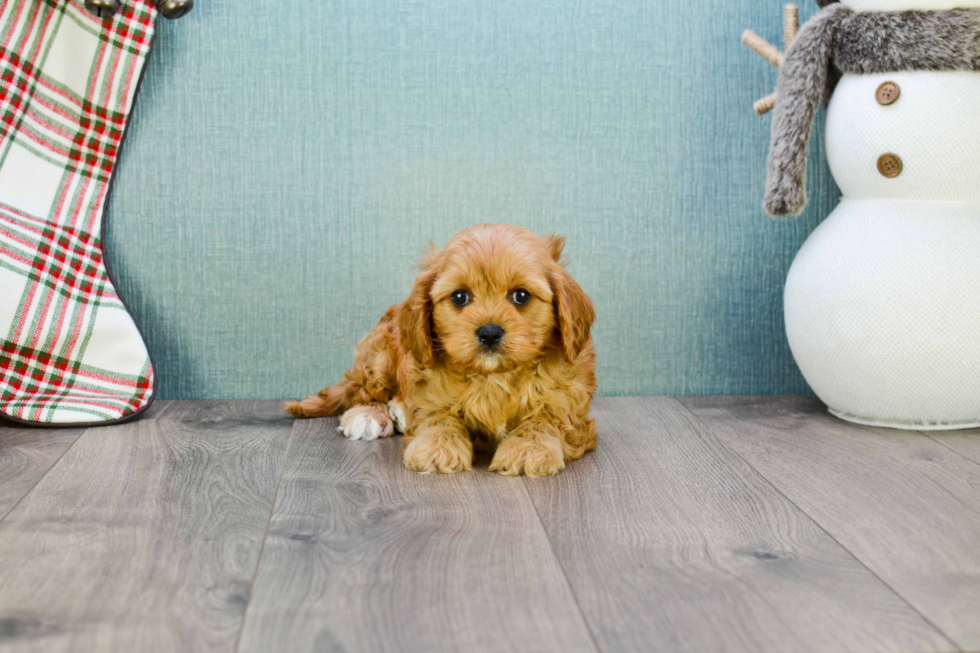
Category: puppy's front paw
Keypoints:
(531, 457)
(437, 452)
(366, 423)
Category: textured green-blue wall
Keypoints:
(288, 160)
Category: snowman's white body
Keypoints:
(883, 300)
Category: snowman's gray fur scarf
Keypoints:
(838, 40)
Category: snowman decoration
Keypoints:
(882, 303)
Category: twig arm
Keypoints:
(763, 48)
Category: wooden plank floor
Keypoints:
(700, 524)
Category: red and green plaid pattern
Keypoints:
(69, 350)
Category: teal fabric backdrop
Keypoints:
(288, 160)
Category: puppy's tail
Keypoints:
(371, 380)
(329, 401)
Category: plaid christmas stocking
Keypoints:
(70, 353)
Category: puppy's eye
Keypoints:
(460, 298)
(520, 297)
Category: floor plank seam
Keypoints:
(42, 477)
(861, 562)
(958, 453)
(561, 567)
(265, 536)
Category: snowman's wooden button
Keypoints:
(889, 165)
(887, 93)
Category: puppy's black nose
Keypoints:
(489, 334)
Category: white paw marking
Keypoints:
(396, 410)
(365, 423)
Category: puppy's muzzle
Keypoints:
(489, 335)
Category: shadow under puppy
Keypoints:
(493, 348)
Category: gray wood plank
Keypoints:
(673, 543)
(906, 506)
(364, 555)
(26, 455)
(966, 442)
(144, 536)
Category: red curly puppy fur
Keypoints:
(426, 371)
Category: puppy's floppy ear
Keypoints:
(574, 312)
(415, 315)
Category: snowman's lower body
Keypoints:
(883, 313)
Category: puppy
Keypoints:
(493, 348)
